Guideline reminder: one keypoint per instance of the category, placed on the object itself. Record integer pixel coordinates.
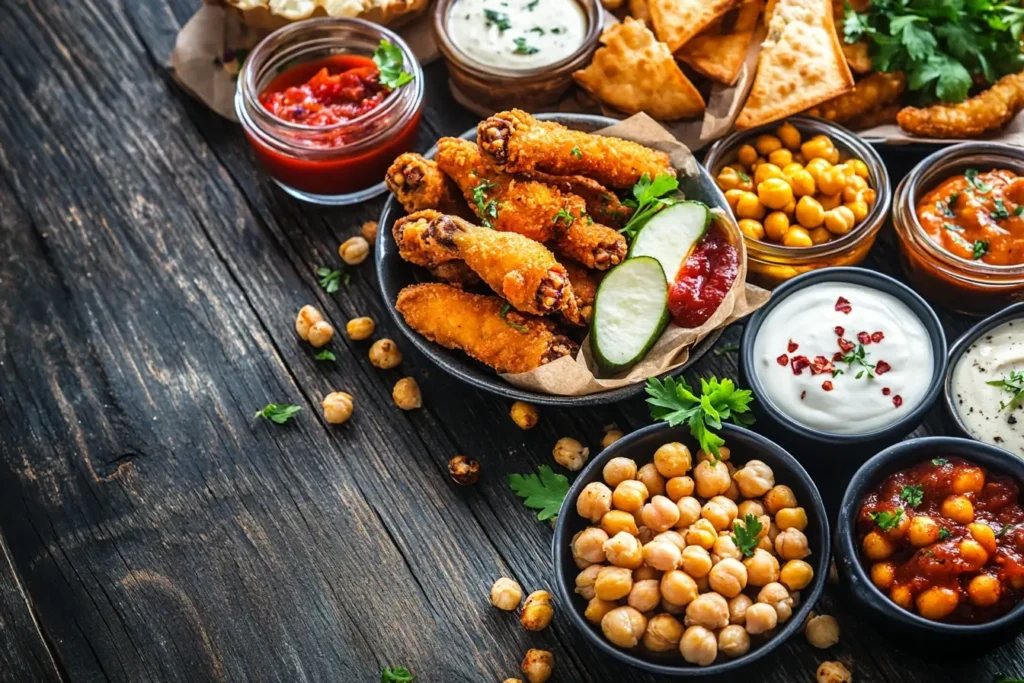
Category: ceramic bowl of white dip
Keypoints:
(844, 357)
(986, 365)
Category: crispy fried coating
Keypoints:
(530, 208)
(869, 94)
(412, 235)
(602, 204)
(457, 273)
(879, 117)
(584, 287)
(473, 323)
(516, 142)
(972, 117)
(419, 184)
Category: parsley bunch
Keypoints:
(544, 492)
(942, 45)
(389, 60)
(675, 402)
(649, 197)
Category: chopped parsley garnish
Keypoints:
(499, 19)
(746, 533)
(944, 533)
(544, 492)
(939, 462)
(523, 49)
(486, 209)
(557, 30)
(331, 279)
(278, 413)
(532, 5)
(859, 357)
(886, 520)
(564, 216)
(538, 30)
(389, 61)
(1013, 384)
(979, 249)
(1000, 210)
(743, 176)
(326, 354)
(575, 151)
(952, 227)
(674, 402)
(952, 199)
(912, 495)
(1019, 210)
(396, 674)
(1006, 528)
(650, 197)
(505, 308)
(972, 177)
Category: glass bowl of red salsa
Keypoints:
(959, 220)
(931, 539)
(317, 111)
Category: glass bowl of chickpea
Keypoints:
(681, 567)
(807, 194)
(943, 564)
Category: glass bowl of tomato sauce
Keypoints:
(319, 113)
(959, 220)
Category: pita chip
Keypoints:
(801, 63)
(634, 72)
(677, 21)
(719, 54)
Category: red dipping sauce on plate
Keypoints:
(703, 280)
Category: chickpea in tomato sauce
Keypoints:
(945, 540)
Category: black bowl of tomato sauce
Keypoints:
(930, 542)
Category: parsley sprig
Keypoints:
(499, 19)
(564, 216)
(543, 491)
(389, 61)
(486, 209)
(505, 308)
(396, 674)
(1013, 384)
(674, 402)
(912, 495)
(886, 520)
(857, 357)
(649, 197)
(746, 533)
(278, 413)
(523, 49)
(979, 249)
(331, 279)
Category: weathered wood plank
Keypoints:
(24, 654)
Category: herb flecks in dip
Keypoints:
(985, 386)
(977, 216)
(517, 34)
(843, 358)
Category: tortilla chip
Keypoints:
(801, 63)
(676, 21)
(718, 55)
(633, 72)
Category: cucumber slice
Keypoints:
(671, 235)
(630, 313)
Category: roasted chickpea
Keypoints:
(701, 533)
(751, 228)
(570, 453)
(525, 415)
(789, 136)
(831, 180)
(972, 553)
(781, 157)
(969, 480)
(791, 544)
(984, 590)
(594, 501)
(796, 575)
(937, 602)
(791, 518)
(738, 609)
(358, 329)
(822, 631)
(673, 537)
(369, 231)
(746, 155)
(585, 581)
(728, 577)
(677, 488)
(611, 435)
(588, 545)
(797, 237)
(663, 633)
(623, 550)
(618, 470)
(767, 171)
(661, 514)
(802, 183)
(833, 672)
(818, 147)
(725, 548)
(720, 511)
(762, 568)
(775, 225)
(749, 507)
(506, 594)
(624, 626)
(923, 531)
(537, 665)
(711, 479)
(732, 197)
(320, 334)
(749, 206)
(730, 178)
(778, 498)
(709, 610)
(678, 587)
(338, 407)
(537, 611)
(354, 250)
(662, 555)
(760, 617)
(983, 534)
(645, 595)
(809, 212)
(775, 193)
(597, 608)
(698, 646)
(307, 317)
(649, 476)
(791, 168)
(959, 509)
(615, 521)
(613, 583)
(829, 201)
(852, 187)
(902, 596)
(384, 354)
(839, 220)
(766, 144)
(630, 496)
(754, 479)
(883, 574)
(672, 459)
(695, 561)
(406, 394)
(733, 641)
(859, 208)
(776, 595)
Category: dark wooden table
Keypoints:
(152, 530)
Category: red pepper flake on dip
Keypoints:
(835, 387)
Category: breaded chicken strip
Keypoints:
(474, 323)
(516, 142)
(584, 287)
(527, 207)
(879, 117)
(972, 117)
(602, 204)
(869, 94)
(418, 184)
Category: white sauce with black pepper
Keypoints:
(986, 410)
(517, 34)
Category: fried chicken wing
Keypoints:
(516, 142)
(457, 273)
(474, 323)
(419, 184)
(412, 235)
(878, 117)
(869, 94)
(972, 117)
(602, 204)
(584, 287)
(527, 207)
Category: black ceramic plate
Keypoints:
(640, 446)
(394, 274)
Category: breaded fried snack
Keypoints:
(474, 323)
(527, 207)
(879, 117)
(418, 184)
(634, 72)
(602, 204)
(457, 273)
(801, 63)
(985, 111)
(719, 55)
(584, 287)
(870, 93)
(412, 235)
(676, 21)
(516, 142)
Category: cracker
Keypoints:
(801, 63)
(677, 21)
(634, 72)
(719, 55)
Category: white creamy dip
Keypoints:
(517, 34)
(889, 380)
(985, 409)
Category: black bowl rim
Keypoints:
(870, 473)
(865, 277)
(495, 384)
(808, 597)
(960, 346)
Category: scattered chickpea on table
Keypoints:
(464, 471)
(525, 415)
(385, 354)
(354, 250)
(570, 453)
(537, 665)
(311, 326)
(337, 407)
(359, 329)
(406, 394)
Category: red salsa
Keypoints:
(945, 539)
(703, 280)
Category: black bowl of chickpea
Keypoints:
(806, 192)
(930, 542)
(681, 564)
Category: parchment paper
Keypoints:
(569, 376)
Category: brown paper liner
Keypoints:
(577, 376)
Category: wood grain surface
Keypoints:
(152, 530)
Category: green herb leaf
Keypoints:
(1019, 210)
(1001, 678)
(485, 209)
(674, 402)
(396, 674)
(885, 520)
(575, 151)
(939, 462)
(278, 412)
(499, 19)
(912, 495)
(1000, 210)
(389, 61)
(326, 354)
(1013, 384)
(544, 492)
(563, 215)
(944, 533)
(532, 5)
(859, 357)
(952, 227)
(746, 533)
(650, 198)
(1006, 528)
(972, 177)
(505, 308)
(979, 249)
(523, 49)
(329, 279)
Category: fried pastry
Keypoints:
(418, 184)
(870, 93)
(677, 21)
(985, 111)
(719, 55)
